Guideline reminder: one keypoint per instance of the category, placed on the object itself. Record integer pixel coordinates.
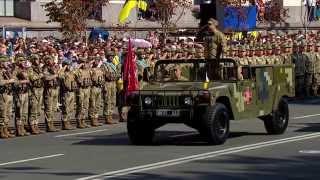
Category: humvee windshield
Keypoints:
(194, 70)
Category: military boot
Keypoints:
(80, 124)
(51, 128)
(95, 122)
(38, 129)
(66, 125)
(85, 124)
(34, 130)
(8, 133)
(3, 135)
(25, 133)
(109, 120)
(19, 130)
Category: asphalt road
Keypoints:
(179, 153)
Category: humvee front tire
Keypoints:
(139, 132)
(216, 124)
(278, 121)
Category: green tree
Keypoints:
(72, 15)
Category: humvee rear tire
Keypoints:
(278, 121)
(216, 124)
(139, 132)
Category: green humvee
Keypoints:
(206, 95)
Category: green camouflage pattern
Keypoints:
(251, 97)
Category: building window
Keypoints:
(6, 7)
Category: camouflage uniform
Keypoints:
(51, 92)
(83, 94)
(68, 86)
(298, 58)
(21, 96)
(95, 102)
(316, 83)
(310, 70)
(109, 92)
(35, 94)
(6, 99)
(215, 42)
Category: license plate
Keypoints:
(168, 113)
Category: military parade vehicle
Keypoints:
(206, 95)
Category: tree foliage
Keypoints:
(72, 14)
(163, 11)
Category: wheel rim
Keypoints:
(282, 116)
(221, 125)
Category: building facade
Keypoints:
(31, 14)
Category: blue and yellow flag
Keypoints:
(128, 6)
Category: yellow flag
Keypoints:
(128, 6)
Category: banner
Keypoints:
(240, 19)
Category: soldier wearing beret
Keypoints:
(6, 101)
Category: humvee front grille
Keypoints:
(168, 101)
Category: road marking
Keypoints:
(183, 135)
(309, 151)
(307, 116)
(208, 155)
(80, 133)
(32, 159)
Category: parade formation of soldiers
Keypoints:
(32, 86)
(40, 78)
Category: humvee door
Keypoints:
(246, 97)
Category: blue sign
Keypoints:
(240, 19)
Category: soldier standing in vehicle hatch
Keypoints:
(215, 41)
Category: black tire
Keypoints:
(216, 124)
(139, 132)
(278, 121)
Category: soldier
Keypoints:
(35, 94)
(21, 95)
(299, 60)
(109, 92)
(51, 92)
(316, 82)
(215, 41)
(83, 79)
(270, 54)
(310, 62)
(277, 55)
(6, 100)
(68, 87)
(95, 103)
(286, 55)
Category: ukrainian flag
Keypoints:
(128, 6)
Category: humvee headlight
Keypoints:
(188, 101)
(147, 101)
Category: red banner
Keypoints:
(130, 74)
